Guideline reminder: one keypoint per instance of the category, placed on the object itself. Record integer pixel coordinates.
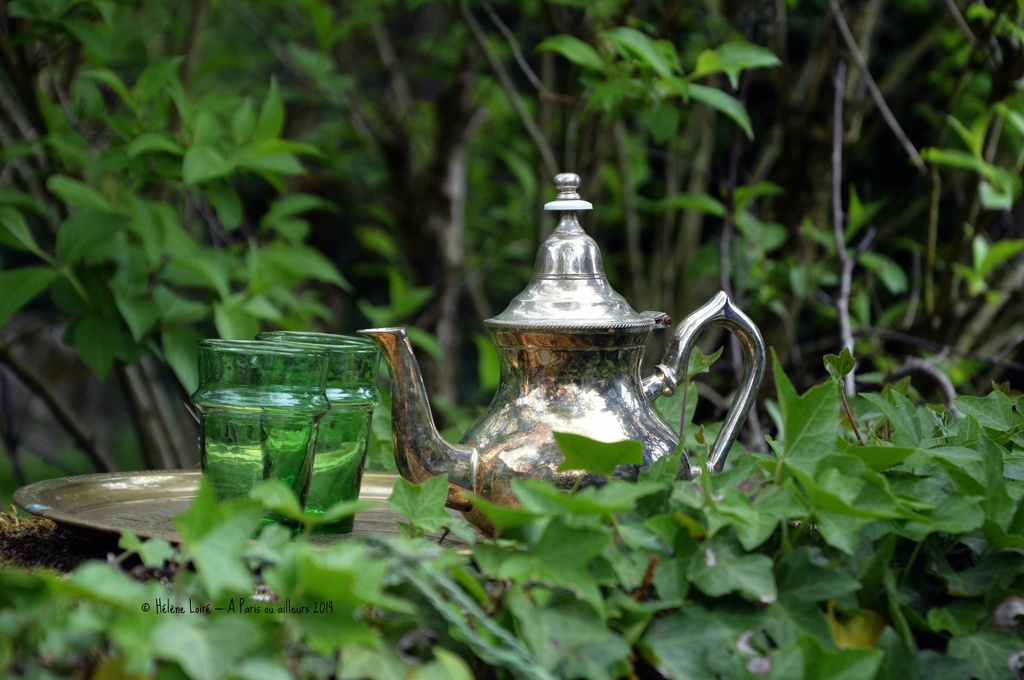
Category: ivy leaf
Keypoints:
(721, 568)
(806, 576)
(277, 496)
(215, 535)
(988, 651)
(899, 411)
(505, 517)
(205, 647)
(422, 504)
(807, 658)
(994, 412)
(839, 366)
(584, 453)
(153, 551)
(810, 422)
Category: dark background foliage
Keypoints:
(226, 167)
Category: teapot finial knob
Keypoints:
(567, 184)
(568, 198)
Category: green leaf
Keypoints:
(994, 412)
(153, 551)
(721, 568)
(296, 263)
(583, 453)
(503, 516)
(98, 342)
(233, 320)
(206, 647)
(114, 82)
(540, 496)
(154, 142)
(989, 652)
(20, 286)
(277, 496)
(807, 658)
(805, 576)
(733, 58)
(226, 203)
(270, 122)
(215, 536)
(575, 50)
(76, 193)
(272, 164)
(203, 163)
(724, 103)
(900, 412)
(876, 457)
(839, 367)
(15, 232)
(179, 346)
(810, 423)
(696, 202)
(710, 636)
(640, 45)
(888, 271)
(100, 582)
(87, 234)
(999, 253)
(243, 122)
(423, 505)
(295, 204)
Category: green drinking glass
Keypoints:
(260, 404)
(345, 429)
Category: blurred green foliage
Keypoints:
(849, 174)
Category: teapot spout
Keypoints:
(420, 450)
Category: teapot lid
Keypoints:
(569, 288)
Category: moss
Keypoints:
(35, 542)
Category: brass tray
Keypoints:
(146, 503)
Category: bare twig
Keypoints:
(941, 380)
(632, 217)
(396, 77)
(517, 51)
(846, 262)
(547, 155)
(876, 94)
(961, 22)
(932, 346)
(196, 22)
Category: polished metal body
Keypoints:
(570, 350)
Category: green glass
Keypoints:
(345, 430)
(259, 405)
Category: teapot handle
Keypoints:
(719, 311)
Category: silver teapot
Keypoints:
(570, 350)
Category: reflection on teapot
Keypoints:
(570, 350)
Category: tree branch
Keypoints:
(876, 94)
(547, 155)
(82, 438)
(846, 263)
